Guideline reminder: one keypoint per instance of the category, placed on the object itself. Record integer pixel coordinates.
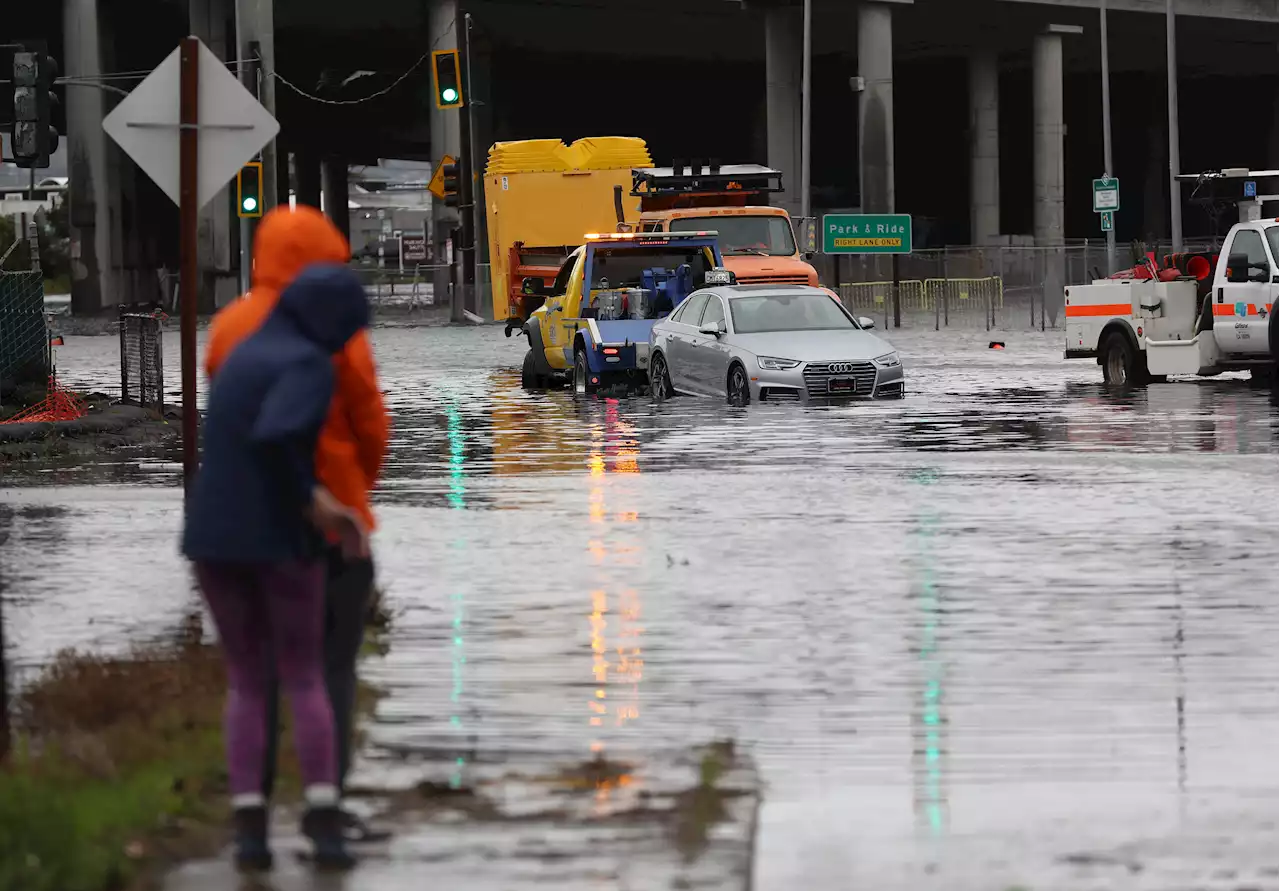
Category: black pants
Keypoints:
(348, 588)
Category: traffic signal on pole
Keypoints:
(452, 180)
(34, 137)
(447, 74)
(249, 190)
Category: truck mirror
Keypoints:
(1238, 268)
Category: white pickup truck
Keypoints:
(1141, 330)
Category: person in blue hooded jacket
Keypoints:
(255, 528)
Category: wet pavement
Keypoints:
(1013, 630)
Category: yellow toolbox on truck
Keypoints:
(541, 197)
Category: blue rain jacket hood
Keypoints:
(327, 303)
(265, 411)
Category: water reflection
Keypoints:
(457, 598)
(928, 719)
(617, 665)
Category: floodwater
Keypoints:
(1013, 630)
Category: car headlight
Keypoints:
(888, 360)
(768, 363)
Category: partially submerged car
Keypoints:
(746, 342)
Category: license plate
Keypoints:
(842, 385)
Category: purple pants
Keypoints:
(261, 609)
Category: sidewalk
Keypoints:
(686, 822)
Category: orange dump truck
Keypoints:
(758, 241)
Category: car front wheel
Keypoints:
(660, 379)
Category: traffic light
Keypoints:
(33, 135)
(448, 78)
(452, 180)
(249, 190)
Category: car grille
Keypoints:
(773, 279)
(816, 375)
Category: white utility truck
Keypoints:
(1143, 329)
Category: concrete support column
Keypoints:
(219, 277)
(1155, 206)
(89, 192)
(306, 170)
(336, 194)
(782, 68)
(984, 147)
(281, 165)
(875, 107)
(1047, 162)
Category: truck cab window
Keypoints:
(1273, 241)
(1249, 243)
(562, 277)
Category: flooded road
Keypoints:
(1011, 631)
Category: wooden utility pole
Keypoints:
(188, 209)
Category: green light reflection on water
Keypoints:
(931, 699)
(457, 500)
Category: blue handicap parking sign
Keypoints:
(1250, 189)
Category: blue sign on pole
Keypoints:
(1250, 189)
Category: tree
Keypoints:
(55, 243)
(20, 257)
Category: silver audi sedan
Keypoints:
(769, 341)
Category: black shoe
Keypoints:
(323, 825)
(251, 851)
(357, 831)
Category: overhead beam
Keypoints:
(1248, 10)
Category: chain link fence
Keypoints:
(993, 287)
(24, 334)
(141, 357)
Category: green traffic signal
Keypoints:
(446, 73)
(249, 190)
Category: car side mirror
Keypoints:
(712, 329)
(533, 287)
(864, 322)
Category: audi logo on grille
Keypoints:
(841, 368)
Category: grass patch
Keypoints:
(700, 808)
(114, 757)
(118, 768)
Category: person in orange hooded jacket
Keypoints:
(349, 455)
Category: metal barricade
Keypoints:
(876, 298)
(141, 357)
(964, 298)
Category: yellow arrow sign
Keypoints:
(436, 186)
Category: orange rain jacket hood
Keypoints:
(353, 442)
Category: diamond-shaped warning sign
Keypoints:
(436, 186)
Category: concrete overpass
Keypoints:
(981, 117)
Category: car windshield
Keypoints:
(787, 312)
(767, 235)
